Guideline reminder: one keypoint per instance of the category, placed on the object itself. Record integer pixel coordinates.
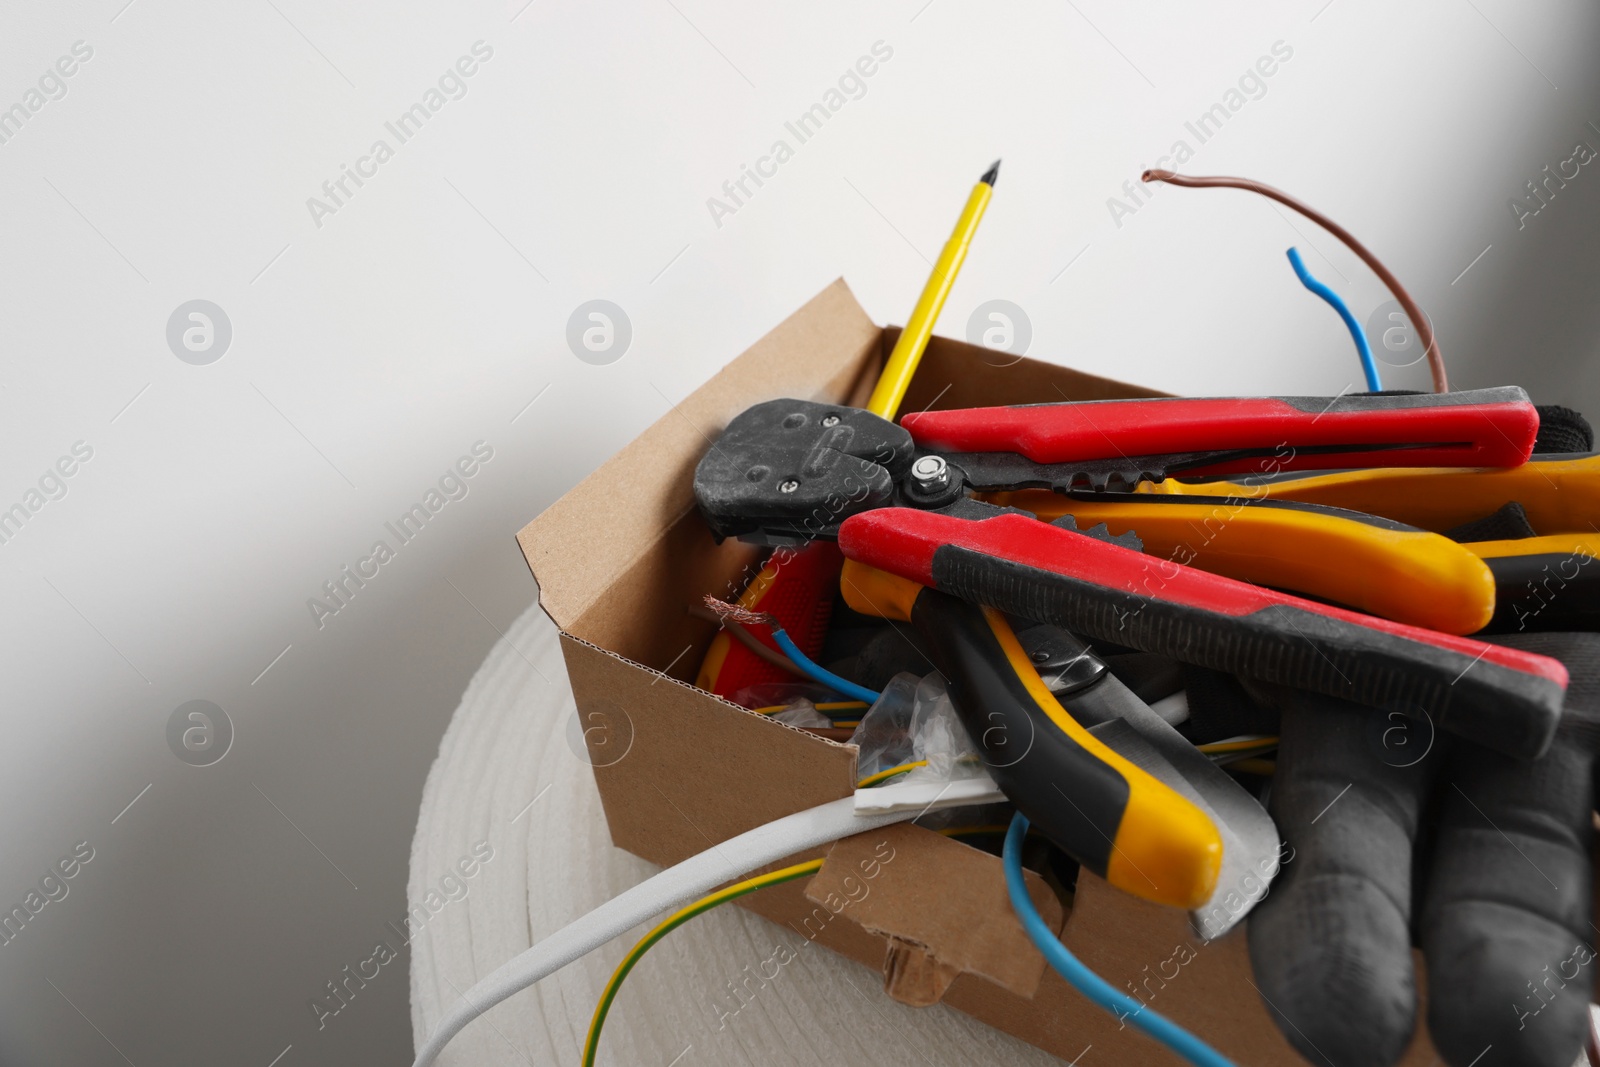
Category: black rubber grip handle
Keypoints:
(1069, 795)
(1505, 698)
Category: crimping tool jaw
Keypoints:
(789, 471)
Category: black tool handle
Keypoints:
(1105, 812)
(1504, 698)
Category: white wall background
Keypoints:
(370, 352)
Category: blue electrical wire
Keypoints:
(1368, 365)
(1085, 981)
(820, 673)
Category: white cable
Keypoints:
(667, 891)
(1174, 709)
(929, 795)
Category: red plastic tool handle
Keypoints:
(1499, 696)
(801, 599)
(1472, 428)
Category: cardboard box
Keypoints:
(620, 558)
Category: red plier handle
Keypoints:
(1471, 428)
(1500, 697)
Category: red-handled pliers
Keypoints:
(1500, 697)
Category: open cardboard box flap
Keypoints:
(621, 557)
(645, 491)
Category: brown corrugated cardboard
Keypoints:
(621, 557)
(906, 898)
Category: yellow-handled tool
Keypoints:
(1108, 813)
(1561, 494)
(1373, 564)
(1544, 583)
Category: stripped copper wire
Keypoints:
(746, 638)
(741, 615)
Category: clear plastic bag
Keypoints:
(914, 720)
(938, 736)
(884, 733)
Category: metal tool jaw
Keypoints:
(789, 471)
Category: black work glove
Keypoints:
(1480, 859)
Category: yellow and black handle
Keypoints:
(1373, 564)
(1547, 582)
(1560, 493)
(1105, 812)
(1544, 583)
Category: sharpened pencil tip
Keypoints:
(991, 174)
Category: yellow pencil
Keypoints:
(902, 364)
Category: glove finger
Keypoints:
(1507, 908)
(1330, 945)
(1220, 706)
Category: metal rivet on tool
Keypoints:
(930, 472)
(830, 420)
(789, 485)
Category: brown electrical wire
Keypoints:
(1424, 329)
(749, 640)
